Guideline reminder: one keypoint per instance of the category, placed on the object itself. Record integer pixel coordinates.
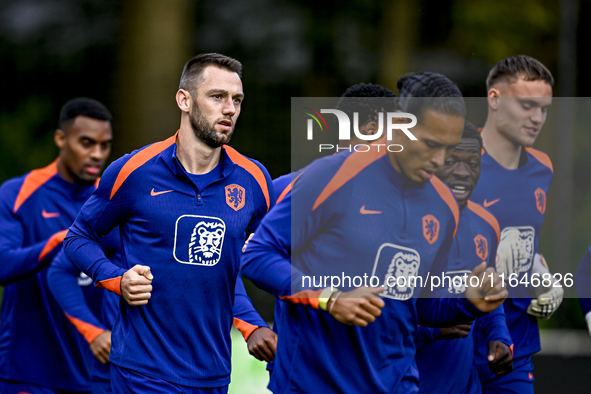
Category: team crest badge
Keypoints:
(481, 247)
(430, 228)
(199, 240)
(399, 266)
(540, 200)
(235, 196)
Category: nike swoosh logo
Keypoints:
(364, 211)
(153, 193)
(49, 215)
(488, 204)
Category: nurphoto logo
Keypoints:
(345, 129)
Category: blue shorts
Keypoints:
(124, 381)
(10, 387)
(519, 381)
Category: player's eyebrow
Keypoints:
(83, 137)
(223, 92)
(530, 101)
(466, 151)
(432, 142)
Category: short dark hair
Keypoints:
(367, 100)
(194, 68)
(420, 91)
(82, 106)
(472, 132)
(516, 67)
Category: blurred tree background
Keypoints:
(129, 55)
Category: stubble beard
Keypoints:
(206, 132)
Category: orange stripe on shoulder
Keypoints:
(113, 285)
(306, 297)
(244, 327)
(487, 216)
(34, 181)
(288, 188)
(88, 331)
(253, 169)
(541, 157)
(449, 198)
(138, 160)
(52, 243)
(352, 166)
(284, 193)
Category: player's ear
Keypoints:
(493, 98)
(399, 120)
(183, 100)
(60, 138)
(369, 128)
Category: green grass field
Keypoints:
(249, 375)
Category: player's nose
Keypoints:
(538, 116)
(438, 157)
(461, 171)
(229, 107)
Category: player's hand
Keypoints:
(510, 253)
(136, 285)
(490, 292)
(500, 359)
(262, 344)
(548, 298)
(546, 304)
(101, 347)
(455, 332)
(246, 242)
(358, 307)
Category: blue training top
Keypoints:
(351, 215)
(191, 239)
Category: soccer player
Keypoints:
(445, 356)
(358, 215)
(513, 186)
(184, 207)
(38, 352)
(365, 99)
(92, 311)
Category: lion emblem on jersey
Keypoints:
(400, 279)
(540, 200)
(457, 281)
(206, 243)
(481, 247)
(235, 196)
(430, 228)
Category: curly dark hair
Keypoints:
(471, 132)
(367, 100)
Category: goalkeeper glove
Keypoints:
(548, 299)
(510, 252)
